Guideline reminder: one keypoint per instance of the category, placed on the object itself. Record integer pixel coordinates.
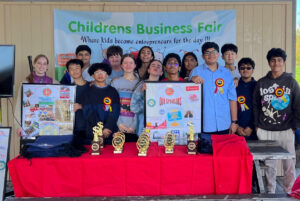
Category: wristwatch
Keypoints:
(234, 121)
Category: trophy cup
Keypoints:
(100, 134)
(118, 142)
(169, 143)
(143, 144)
(191, 144)
(95, 143)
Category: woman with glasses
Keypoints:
(172, 66)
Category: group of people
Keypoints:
(233, 102)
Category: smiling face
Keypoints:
(128, 65)
(115, 61)
(100, 76)
(172, 66)
(75, 71)
(85, 57)
(146, 55)
(155, 69)
(41, 66)
(276, 64)
(211, 56)
(229, 57)
(246, 71)
(190, 62)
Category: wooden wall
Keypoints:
(29, 25)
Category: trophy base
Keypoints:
(169, 151)
(95, 154)
(192, 153)
(102, 147)
(118, 151)
(142, 154)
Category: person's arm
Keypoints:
(233, 114)
(256, 106)
(296, 106)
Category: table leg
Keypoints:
(259, 177)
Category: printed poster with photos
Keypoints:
(47, 110)
(170, 106)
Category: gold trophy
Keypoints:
(169, 143)
(95, 143)
(143, 143)
(191, 144)
(118, 142)
(100, 134)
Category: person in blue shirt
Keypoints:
(244, 92)
(219, 95)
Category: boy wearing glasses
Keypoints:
(244, 92)
(219, 95)
(172, 66)
(101, 103)
(277, 114)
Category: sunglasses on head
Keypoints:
(245, 68)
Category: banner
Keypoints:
(165, 32)
(170, 106)
(47, 110)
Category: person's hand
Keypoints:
(77, 106)
(236, 82)
(248, 131)
(19, 132)
(240, 131)
(130, 130)
(233, 128)
(197, 80)
(106, 132)
(123, 128)
(144, 87)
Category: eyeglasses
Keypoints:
(210, 52)
(172, 64)
(245, 68)
(99, 72)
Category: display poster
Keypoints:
(47, 110)
(170, 106)
(164, 32)
(4, 152)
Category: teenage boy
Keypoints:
(219, 95)
(229, 54)
(277, 114)
(74, 68)
(244, 92)
(83, 52)
(101, 103)
(114, 55)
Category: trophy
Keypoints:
(118, 142)
(169, 143)
(191, 144)
(100, 134)
(143, 143)
(95, 143)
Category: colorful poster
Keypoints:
(165, 32)
(4, 149)
(47, 110)
(170, 106)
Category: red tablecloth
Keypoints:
(227, 171)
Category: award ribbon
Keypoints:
(219, 84)
(242, 101)
(107, 104)
(279, 94)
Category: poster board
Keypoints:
(47, 109)
(4, 153)
(170, 106)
